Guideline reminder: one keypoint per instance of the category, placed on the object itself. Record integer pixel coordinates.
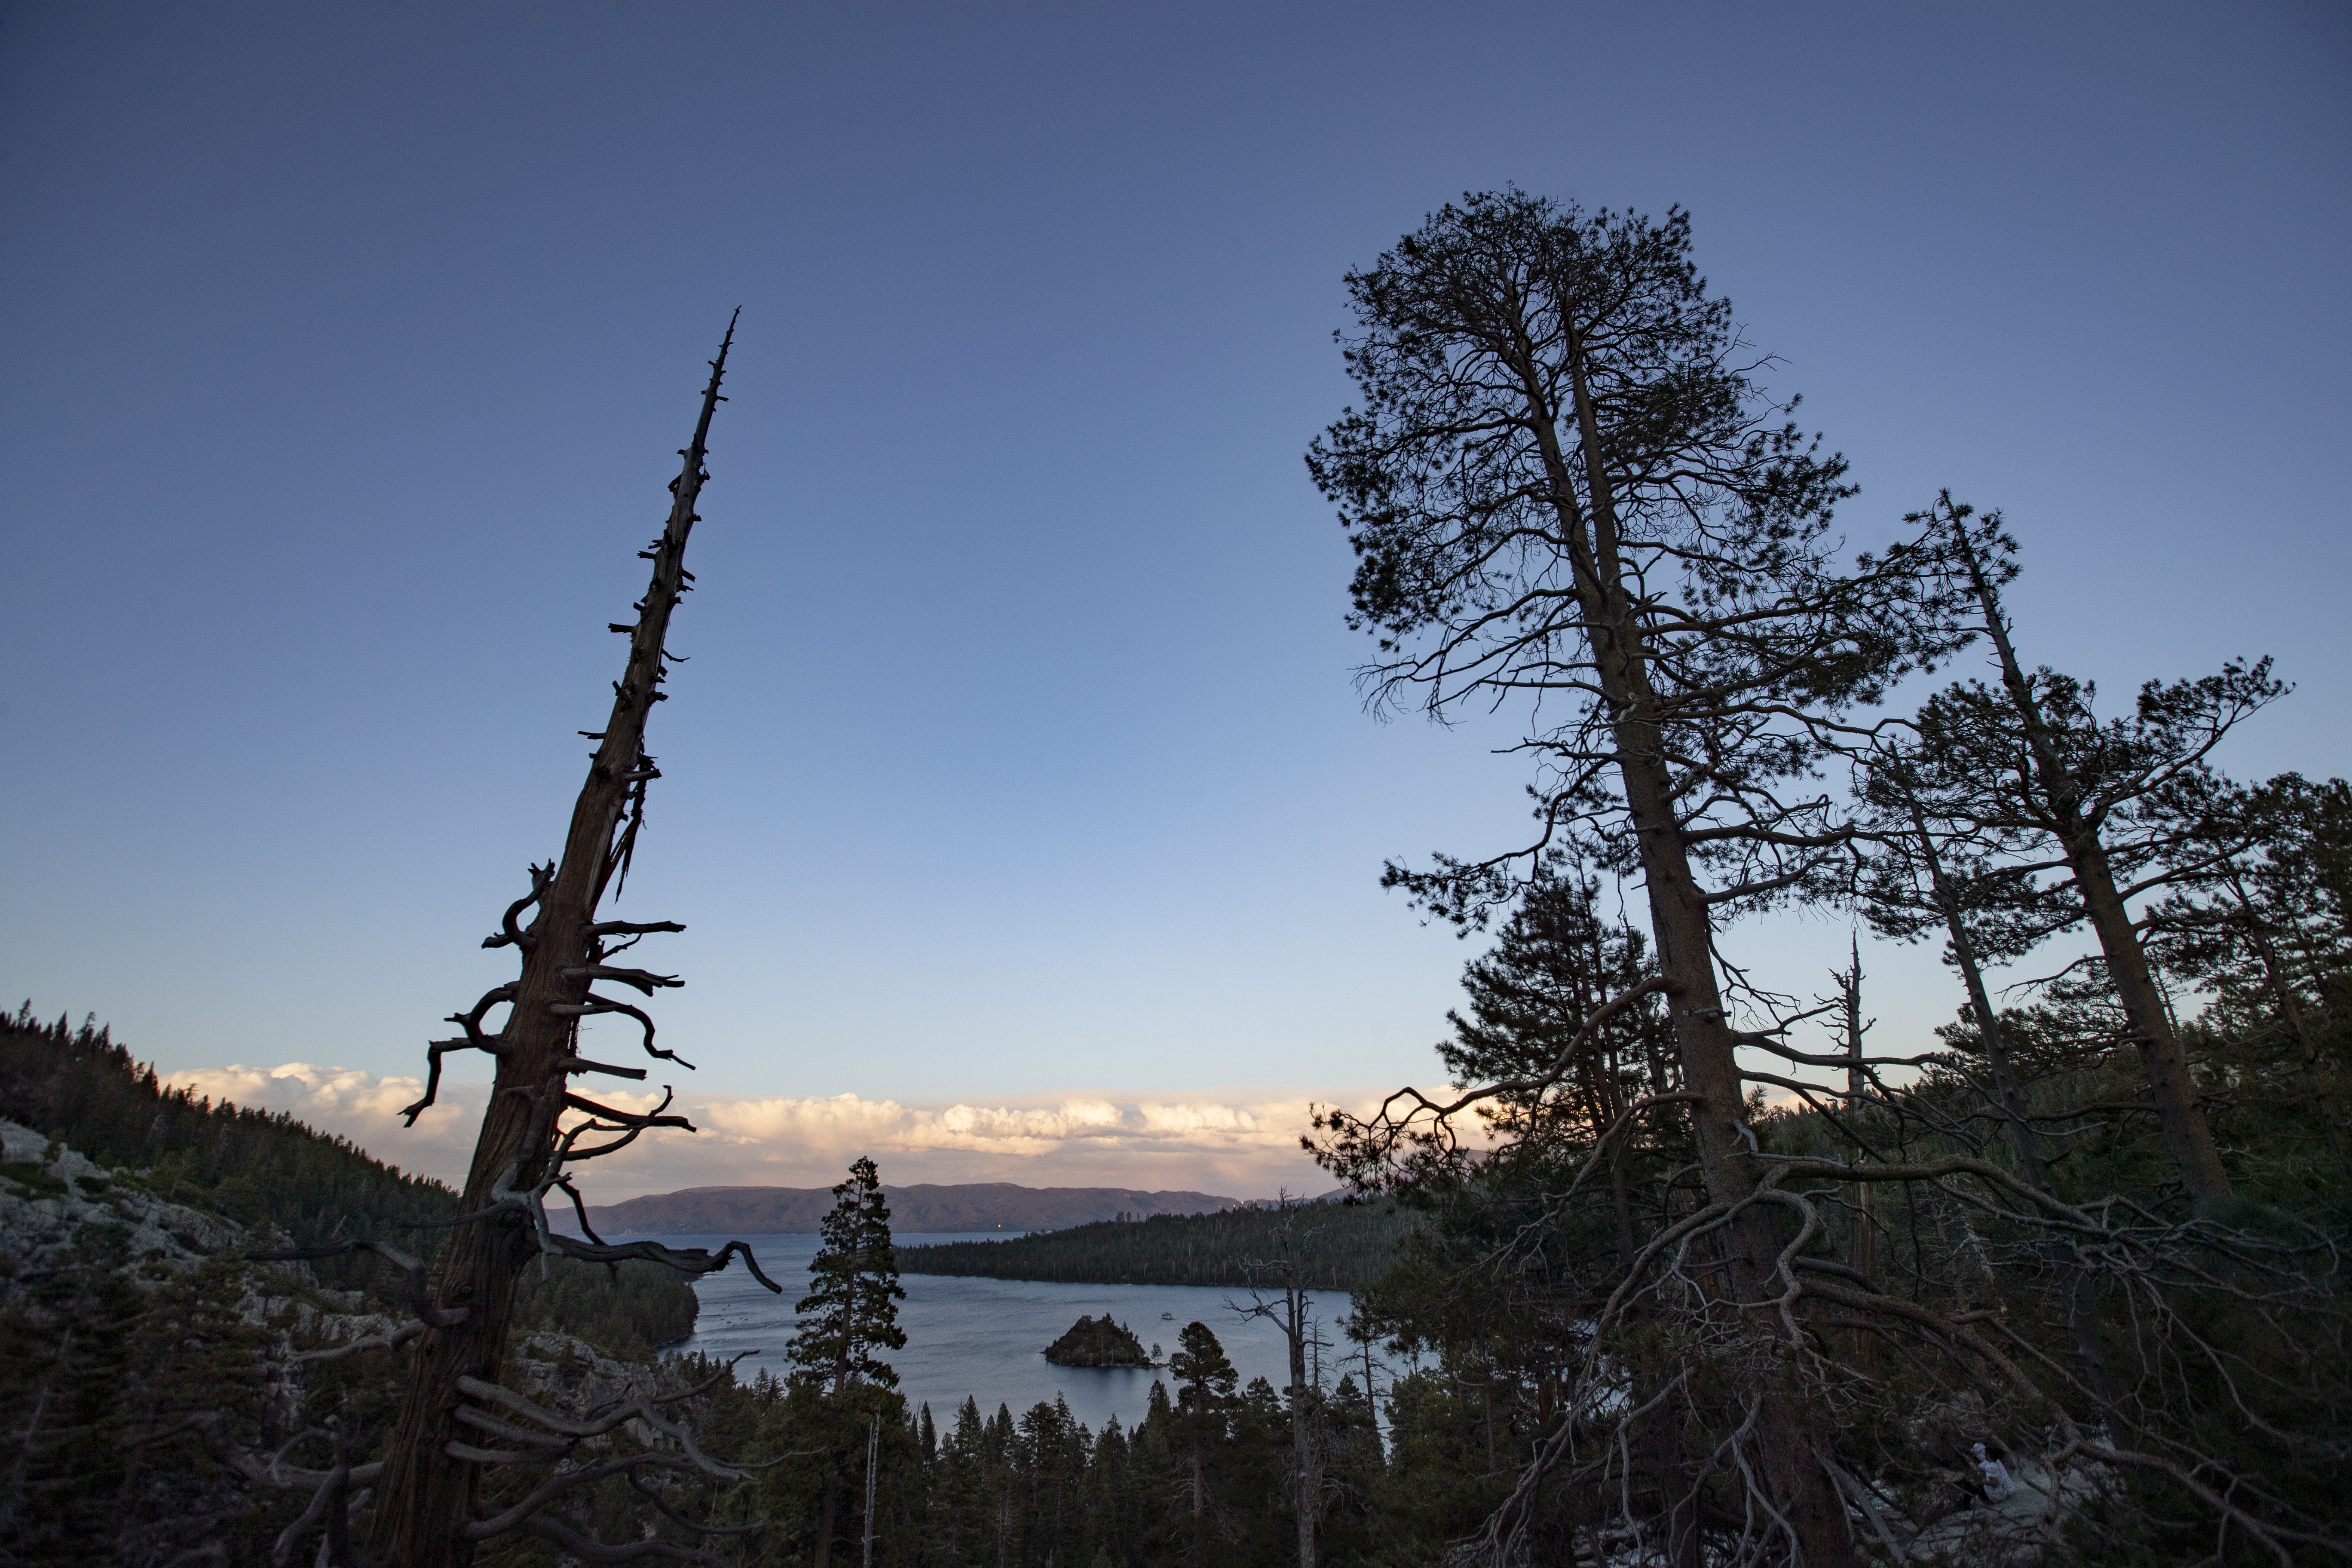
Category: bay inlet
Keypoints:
(986, 1339)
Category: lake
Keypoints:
(985, 1338)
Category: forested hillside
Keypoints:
(267, 1172)
(922, 1206)
(1200, 1479)
(1341, 1247)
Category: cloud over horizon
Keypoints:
(1236, 1142)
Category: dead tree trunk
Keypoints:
(1864, 1252)
(426, 1497)
(1862, 1255)
(1306, 1452)
(873, 1451)
(1292, 1313)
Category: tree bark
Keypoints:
(1683, 927)
(1863, 1253)
(2178, 1108)
(828, 1498)
(426, 1496)
(873, 1453)
(1307, 1486)
(1857, 1084)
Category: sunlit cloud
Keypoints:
(359, 1105)
(1234, 1143)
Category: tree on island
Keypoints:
(841, 1385)
(1098, 1342)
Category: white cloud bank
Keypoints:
(1239, 1143)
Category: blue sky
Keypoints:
(344, 351)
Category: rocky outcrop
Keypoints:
(73, 1232)
(49, 1195)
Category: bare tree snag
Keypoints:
(1864, 1255)
(426, 1509)
(1291, 1309)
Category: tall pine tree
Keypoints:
(852, 1307)
(849, 1315)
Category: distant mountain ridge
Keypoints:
(925, 1206)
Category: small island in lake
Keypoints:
(1098, 1342)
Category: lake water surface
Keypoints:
(985, 1338)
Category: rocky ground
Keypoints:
(60, 1211)
(49, 1193)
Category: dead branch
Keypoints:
(692, 1260)
(633, 928)
(579, 1207)
(630, 1124)
(434, 1051)
(1928, 1317)
(1838, 1059)
(1384, 1129)
(211, 1428)
(646, 1410)
(596, 1005)
(388, 1340)
(482, 1421)
(581, 1064)
(556, 1485)
(511, 935)
(644, 980)
(329, 1496)
(639, 1120)
(652, 1495)
(471, 1022)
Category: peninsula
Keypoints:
(923, 1208)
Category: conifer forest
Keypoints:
(1669, 1262)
